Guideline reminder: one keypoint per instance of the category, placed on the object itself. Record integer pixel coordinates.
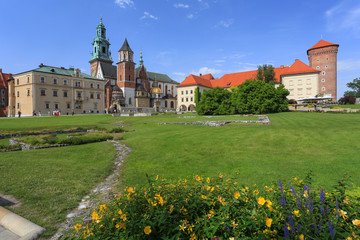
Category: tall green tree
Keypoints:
(197, 96)
(355, 86)
(266, 73)
(215, 102)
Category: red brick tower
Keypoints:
(126, 73)
(323, 57)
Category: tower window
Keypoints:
(42, 79)
(95, 49)
(129, 78)
(318, 67)
(130, 101)
(323, 89)
(326, 66)
(323, 80)
(103, 50)
(323, 73)
(28, 92)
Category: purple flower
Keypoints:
(291, 222)
(322, 195)
(286, 229)
(298, 202)
(322, 211)
(292, 188)
(227, 227)
(281, 186)
(282, 200)
(331, 230)
(320, 227)
(298, 227)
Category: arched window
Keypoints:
(165, 103)
(160, 86)
(172, 90)
(166, 92)
(130, 101)
(172, 104)
(129, 78)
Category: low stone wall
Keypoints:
(25, 146)
(134, 114)
(40, 133)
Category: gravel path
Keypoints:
(100, 194)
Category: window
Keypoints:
(91, 95)
(55, 93)
(317, 60)
(323, 80)
(55, 81)
(95, 105)
(78, 94)
(18, 105)
(56, 105)
(91, 85)
(42, 79)
(166, 104)
(42, 92)
(77, 84)
(18, 94)
(323, 73)
(317, 67)
(65, 94)
(103, 48)
(182, 99)
(182, 92)
(187, 99)
(98, 95)
(129, 78)
(28, 79)
(323, 89)
(130, 101)
(191, 91)
(326, 66)
(98, 86)
(291, 82)
(172, 104)
(78, 105)
(17, 81)
(28, 92)
(299, 82)
(186, 91)
(291, 92)
(308, 91)
(68, 105)
(308, 82)
(47, 105)
(299, 91)
(191, 99)
(65, 82)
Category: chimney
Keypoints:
(41, 65)
(200, 74)
(282, 66)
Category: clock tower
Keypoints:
(101, 52)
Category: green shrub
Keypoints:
(9, 147)
(204, 208)
(85, 139)
(116, 130)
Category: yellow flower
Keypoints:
(256, 192)
(117, 226)
(237, 195)
(220, 175)
(94, 215)
(268, 222)
(300, 182)
(197, 178)
(296, 213)
(182, 227)
(343, 214)
(301, 237)
(295, 179)
(120, 212)
(203, 196)
(103, 207)
(130, 190)
(171, 209)
(212, 211)
(261, 200)
(208, 180)
(77, 227)
(234, 225)
(212, 189)
(349, 238)
(147, 230)
(356, 222)
(157, 177)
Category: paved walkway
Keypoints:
(6, 234)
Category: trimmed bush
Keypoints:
(116, 130)
(219, 208)
(85, 139)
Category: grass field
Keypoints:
(50, 182)
(352, 106)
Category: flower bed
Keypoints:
(220, 208)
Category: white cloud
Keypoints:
(344, 17)
(148, 15)
(348, 65)
(181, 5)
(124, 3)
(179, 74)
(190, 16)
(225, 23)
(206, 70)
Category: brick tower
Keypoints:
(323, 57)
(126, 74)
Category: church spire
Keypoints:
(101, 44)
(141, 60)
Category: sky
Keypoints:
(180, 37)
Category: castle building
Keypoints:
(4, 92)
(302, 80)
(129, 87)
(323, 57)
(47, 89)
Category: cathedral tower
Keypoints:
(126, 73)
(323, 57)
(101, 52)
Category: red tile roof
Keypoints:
(233, 79)
(208, 76)
(195, 80)
(323, 43)
(3, 79)
(298, 67)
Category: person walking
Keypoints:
(19, 113)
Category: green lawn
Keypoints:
(352, 106)
(51, 182)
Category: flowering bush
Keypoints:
(219, 208)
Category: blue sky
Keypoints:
(180, 37)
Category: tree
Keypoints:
(355, 86)
(197, 96)
(266, 73)
(258, 97)
(214, 102)
(347, 100)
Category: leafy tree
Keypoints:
(214, 102)
(266, 73)
(355, 86)
(347, 100)
(259, 97)
(350, 93)
(197, 96)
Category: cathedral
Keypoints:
(130, 88)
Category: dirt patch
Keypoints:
(9, 201)
(120, 124)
